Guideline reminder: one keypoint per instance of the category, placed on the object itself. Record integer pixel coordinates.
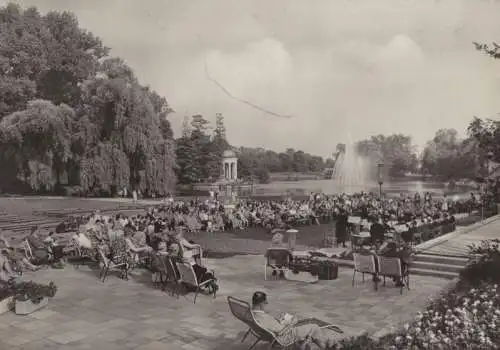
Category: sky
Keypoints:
(342, 69)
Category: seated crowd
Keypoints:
(211, 215)
(121, 240)
(159, 234)
(142, 234)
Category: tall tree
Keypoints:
(219, 145)
(396, 151)
(96, 127)
(186, 172)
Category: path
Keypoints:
(456, 243)
(87, 314)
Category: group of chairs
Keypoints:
(177, 274)
(169, 271)
(381, 266)
(278, 260)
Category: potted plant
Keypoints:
(30, 296)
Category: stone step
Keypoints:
(439, 259)
(433, 273)
(436, 267)
(28, 226)
(27, 223)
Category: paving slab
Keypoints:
(118, 314)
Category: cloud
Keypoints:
(363, 67)
(259, 65)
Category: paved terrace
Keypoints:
(87, 314)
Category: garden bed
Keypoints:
(467, 316)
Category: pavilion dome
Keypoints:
(229, 154)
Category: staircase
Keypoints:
(15, 223)
(442, 266)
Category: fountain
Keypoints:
(352, 172)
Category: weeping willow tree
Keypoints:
(35, 145)
(121, 132)
(73, 116)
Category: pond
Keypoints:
(393, 187)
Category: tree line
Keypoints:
(201, 146)
(74, 118)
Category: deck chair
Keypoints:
(392, 267)
(158, 271)
(242, 311)
(284, 340)
(173, 275)
(363, 264)
(191, 253)
(278, 259)
(188, 276)
(109, 265)
(167, 274)
(79, 255)
(27, 250)
(42, 254)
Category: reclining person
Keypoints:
(41, 251)
(16, 257)
(6, 272)
(324, 338)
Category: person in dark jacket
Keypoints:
(391, 251)
(341, 227)
(377, 232)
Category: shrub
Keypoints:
(32, 291)
(485, 266)
(466, 317)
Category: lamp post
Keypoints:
(486, 185)
(380, 176)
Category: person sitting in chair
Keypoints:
(391, 250)
(301, 331)
(55, 249)
(201, 272)
(6, 272)
(190, 249)
(16, 257)
(278, 253)
(41, 251)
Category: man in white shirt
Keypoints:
(324, 338)
(82, 240)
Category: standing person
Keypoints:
(341, 227)
(377, 232)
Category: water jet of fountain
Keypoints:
(351, 172)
